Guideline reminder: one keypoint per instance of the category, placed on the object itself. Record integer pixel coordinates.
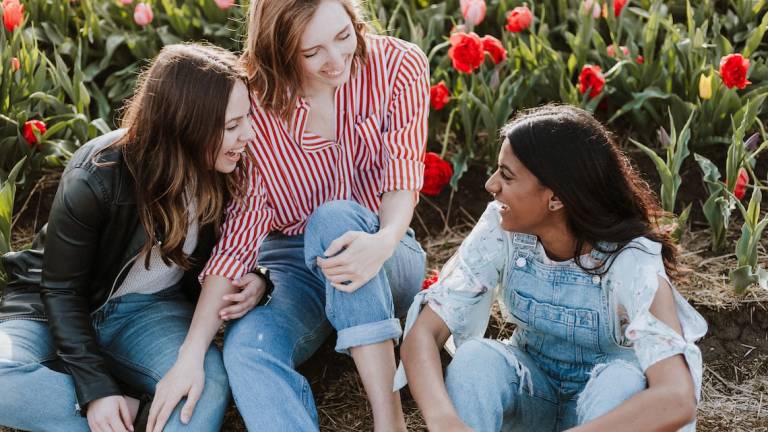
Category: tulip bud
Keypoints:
(225, 4)
(705, 87)
(143, 15)
(15, 64)
(663, 137)
(751, 143)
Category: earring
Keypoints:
(552, 207)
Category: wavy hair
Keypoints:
(174, 129)
(605, 200)
(273, 49)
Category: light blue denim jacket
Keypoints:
(470, 282)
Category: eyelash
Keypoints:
(345, 37)
(501, 173)
(231, 128)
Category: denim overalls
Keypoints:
(561, 367)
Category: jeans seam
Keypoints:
(135, 366)
(307, 337)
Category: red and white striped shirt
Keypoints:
(381, 124)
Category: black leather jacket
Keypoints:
(93, 237)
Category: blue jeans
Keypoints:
(140, 335)
(262, 349)
(510, 392)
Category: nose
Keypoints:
(335, 59)
(491, 185)
(247, 134)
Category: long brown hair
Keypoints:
(175, 126)
(273, 49)
(605, 200)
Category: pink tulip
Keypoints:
(225, 4)
(142, 15)
(473, 11)
(594, 6)
(126, 2)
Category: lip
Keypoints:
(234, 155)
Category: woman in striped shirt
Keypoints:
(340, 118)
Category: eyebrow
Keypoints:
(236, 118)
(346, 27)
(507, 169)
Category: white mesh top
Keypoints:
(159, 276)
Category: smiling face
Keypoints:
(328, 47)
(237, 129)
(525, 201)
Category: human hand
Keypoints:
(109, 414)
(355, 258)
(252, 290)
(186, 378)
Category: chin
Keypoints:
(226, 169)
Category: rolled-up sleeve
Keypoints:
(406, 136)
(246, 224)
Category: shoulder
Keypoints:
(95, 152)
(95, 165)
(487, 241)
(641, 252)
(396, 54)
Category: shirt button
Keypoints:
(520, 262)
(595, 279)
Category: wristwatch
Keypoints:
(263, 273)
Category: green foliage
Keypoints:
(669, 169)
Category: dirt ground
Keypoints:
(735, 385)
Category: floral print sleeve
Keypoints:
(464, 291)
(637, 271)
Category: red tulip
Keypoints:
(592, 79)
(225, 4)
(15, 64)
(733, 71)
(13, 14)
(439, 96)
(430, 279)
(495, 48)
(437, 174)
(143, 15)
(27, 131)
(618, 5)
(466, 52)
(473, 11)
(640, 59)
(519, 19)
(740, 189)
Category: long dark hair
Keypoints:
(175, 126)
(606, 203)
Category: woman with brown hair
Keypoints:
(134, 220)
(340, 118)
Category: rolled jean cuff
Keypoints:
(368, 334)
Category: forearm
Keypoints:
(671, 411)
(206, 320)
(395, 214)
(421, 357)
